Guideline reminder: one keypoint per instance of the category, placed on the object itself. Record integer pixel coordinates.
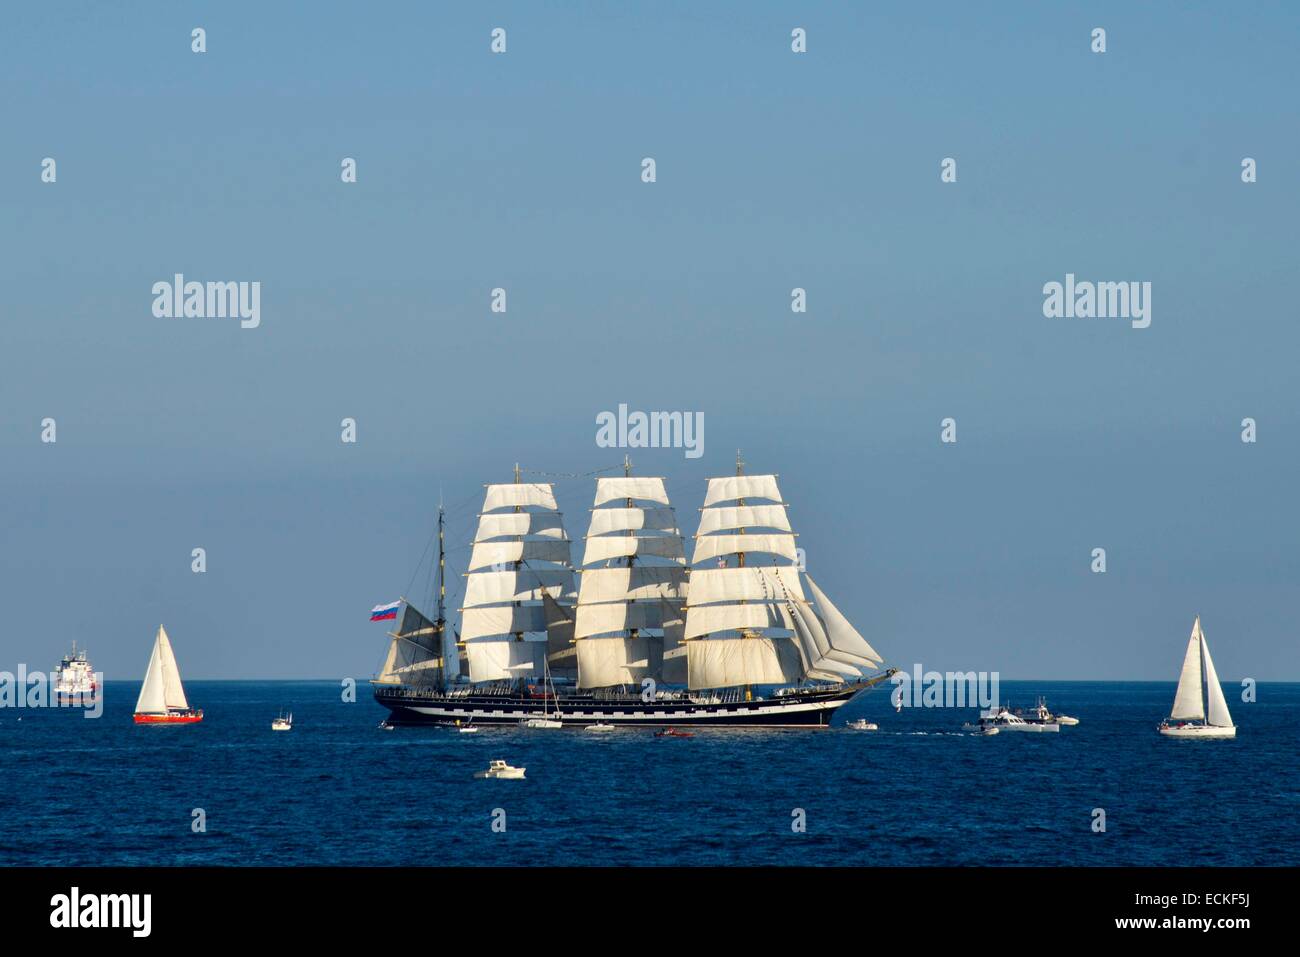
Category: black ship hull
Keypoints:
(802, 708)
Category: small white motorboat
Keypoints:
(469, 727)
(1039, 714)
(499, 769)
(1005, 720)
(283, 723)
(599, 726)
(385, 726)
(984, 732)
(862, 724)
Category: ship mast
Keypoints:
(519, 569)
(784, 635)
(628, 502)
(625, 599)
(740, 470)
(442, 567)
(519, 635)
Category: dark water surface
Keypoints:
(337, 790)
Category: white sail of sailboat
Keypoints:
(162, 696)
(520, 556)
(630, 603)
(1200, 710)
(549, 697)
(748, 619)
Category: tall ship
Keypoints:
(75, 678)
(735, 636)
(162, 696)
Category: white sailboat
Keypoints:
(548, 695)
(1200, 710)
(162, 697)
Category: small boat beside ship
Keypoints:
(499, 769)
(1039, 714)
(545, 721)
(861, 724)
(1200, 710)
(1004, 719)
(162, 696)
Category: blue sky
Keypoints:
(775, 170)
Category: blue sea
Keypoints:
(338, 791)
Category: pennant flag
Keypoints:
(385, 612)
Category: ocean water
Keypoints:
(338, 791)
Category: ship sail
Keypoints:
(749, 620)
(162, 690)
(1189, 699)
(740, 626)
(415, 653)
(818, 654)
(1218, 708)
(846, 644)
(633, 585)
(520, 573)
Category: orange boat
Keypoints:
(674, 733)
(162, 697)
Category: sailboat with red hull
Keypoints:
(162, 697)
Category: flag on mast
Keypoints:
(385, 612)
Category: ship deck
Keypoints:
(505, 705)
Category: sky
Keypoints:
(774, 170)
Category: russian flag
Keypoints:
(385, 612)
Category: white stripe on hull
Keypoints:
(733, 717)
